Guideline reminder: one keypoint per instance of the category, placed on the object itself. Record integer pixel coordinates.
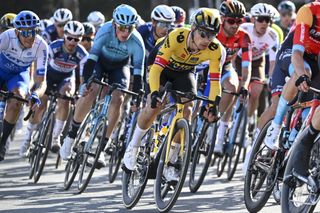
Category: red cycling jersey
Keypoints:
(307, 29)
(233, 44)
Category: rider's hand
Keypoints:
(155, 100)
(303, 83)
(134, 105)
(213, 114)
(243, 94)
(34, 101)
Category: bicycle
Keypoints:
(202, 149)
(90, 141)
(300, 194)
(41, 140)
(134, 182)
(123, 135)
(179, 127)
(266, 167)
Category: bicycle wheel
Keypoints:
(300, 197)
(259, 180)
(202, 156)
(134, 183)
(221, 164)
(44, 146)
(117, 147)
(92, 150)
(237, 136)
(76, 158)
(166, 193)
(33, 149)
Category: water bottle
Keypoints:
(292, 136)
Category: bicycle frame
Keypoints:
(178, 116)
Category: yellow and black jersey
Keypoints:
(174, 56)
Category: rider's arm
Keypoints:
(301, 35)
(215, 69)
(138, 57)
(161, 61)
(246, 60)
(4, 41)
(41, 70)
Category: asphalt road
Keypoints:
(19, 194)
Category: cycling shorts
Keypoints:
(15, 81)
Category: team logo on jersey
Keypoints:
(183, 55)
(180, 38)
(29, 53)
(212, 46)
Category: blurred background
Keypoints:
(81, 8)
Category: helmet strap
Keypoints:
(192, 41)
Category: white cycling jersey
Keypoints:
(268, 43)
(15, 59)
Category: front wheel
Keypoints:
(202, 156)
(166, 192)
(92, 150)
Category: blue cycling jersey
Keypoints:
(50, 34)
(110, 48)
(146, 32)
(63, 62)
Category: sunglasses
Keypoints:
(286, 14)
(206, 34)
(69, 38)
(125, 28)
(233, 21)
(88, 39)
(166, 25)
(27, 33)
(262, 19)
(61, 25)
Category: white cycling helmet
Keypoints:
(262, 9)
(74, 28)
(62, 15)
(163, 13)
(96, 18)
(44, 23)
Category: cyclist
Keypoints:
(180, 17)
(97, 19)
(116, 42)
(287, 11)
(182, 50)
(305, 43)
(60, 17)
(264, 39)
(88, 36)
(6, 21)
(20, 47)
(162, 17)
(64, 56)
(44, 23)
(233, 38)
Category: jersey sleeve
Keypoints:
(303, 22)
(82, 62)
(138, 57)
(215, 69)
(42, 59)
(274, 45)
(100, 39)
(4, 41)
(246, 48)
(161, 61)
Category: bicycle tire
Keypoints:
(45, 143)
(33, 152)
(83, 183)
(237, 145)
(221, 164)
(195, 182)
(252, 203)
(130, 200)
(288, 206)
(75, 160)
(161, 192)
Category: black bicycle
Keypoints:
(41, 140)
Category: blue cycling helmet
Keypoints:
(26, 19)
(125, 15)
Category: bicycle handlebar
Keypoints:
(300, 94)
